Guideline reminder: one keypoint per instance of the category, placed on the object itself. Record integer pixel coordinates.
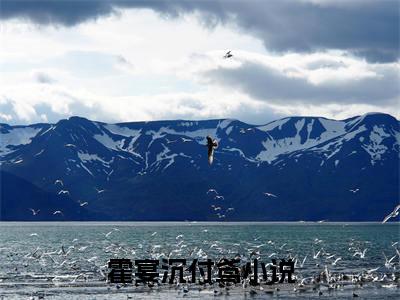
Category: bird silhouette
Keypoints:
(211, 145)
(228, 54)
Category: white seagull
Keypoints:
(335, 262)
(34, 212)
(59, 181)
(58, 212)
(212, 191)
(393, 214)
(83, 203)
(361, 254)
(270, 195)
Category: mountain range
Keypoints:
(292, 169)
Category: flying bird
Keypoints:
(83, 203)
(59, 181)
(360, 253)
(63, 192)
(34, 212)
(211, 145)
(270, 195)
(336, 260)
(212, 191)
(228, 54)
(393, 214)
(58, 212)
(354, 191)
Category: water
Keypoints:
(45, 259)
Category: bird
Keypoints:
(99, 191)
(63, 192)
(92, 259)
(335, 262)
(168, 141)
(315, 256)
(270, 195)
(59, 181)
(228, 54)
(211, 145)
(388, 262)
(109, 233)
(304, 260)
(217, 197)
(212, 191)
(361, 254)
(83, 203)
(354, 191)
(34, 212)
(373, 270)
(58, 212)
(393, 214)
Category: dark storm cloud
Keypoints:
(367, 28)
(272, 86)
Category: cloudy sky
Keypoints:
(117, 61)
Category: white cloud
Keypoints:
(138, 66)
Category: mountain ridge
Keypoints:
(141, 165)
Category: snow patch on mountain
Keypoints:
(375, 148)
(333, 130)
(276, 147)
(164, 156)
(240, 153)
(123, 131)
(86, 157)
(273, 125)
(108, 142)
(16, 137)
(199, 135)
(225, 123)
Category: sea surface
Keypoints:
(68, 260)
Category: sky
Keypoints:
(122, 61)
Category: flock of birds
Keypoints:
(219, 208)
(216, 208)
(63, 192)
(320, 267)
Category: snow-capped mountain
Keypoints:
(297, 168)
